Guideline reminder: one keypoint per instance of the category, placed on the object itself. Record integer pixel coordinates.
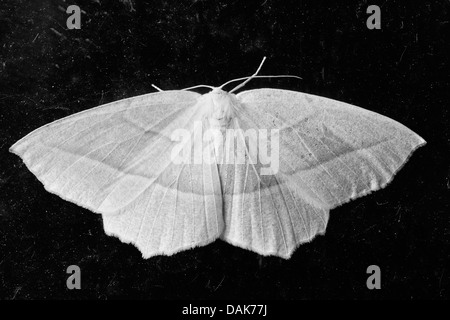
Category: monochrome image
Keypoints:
(238, 153)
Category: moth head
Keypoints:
(219, 107)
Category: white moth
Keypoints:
(264, 177)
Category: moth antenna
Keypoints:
(160, 90)
(255, 75)
(249, 78)
(199, 86)
(268, 76)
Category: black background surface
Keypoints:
(48, 72)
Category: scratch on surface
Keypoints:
(219, 284)
(35, 37)
(440, 280)
(129, 4)
(401, 57)
(114, 277)
(195, 278)
(399, 213)
(58, 33)
(16, 292)
(4, 259)
(365, 231)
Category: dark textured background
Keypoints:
(48, 72)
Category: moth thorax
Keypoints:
(221, 108)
